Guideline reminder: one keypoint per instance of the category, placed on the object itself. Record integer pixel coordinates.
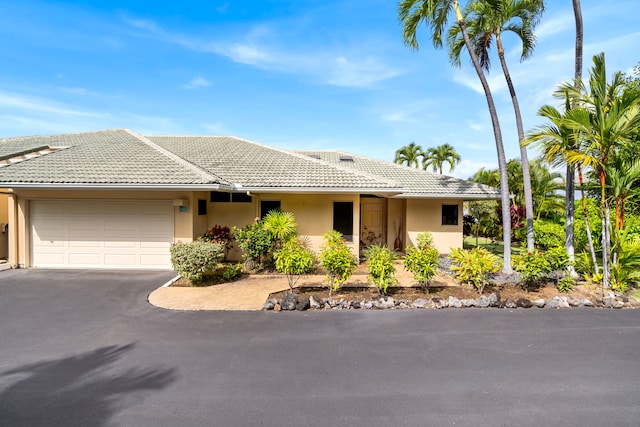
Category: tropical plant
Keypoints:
(436, 157)
(409, 154)
(531, 266)
(282, 225)
(565, 284)
(336, 257)
(294, 260)
(254, 240)
(608, 117)
(435, 14)
(547, 203)
(424, 239)
(422, 262)
(486, 21)
(382, 270)
(220, 235)
(474, 266)
(549, 234)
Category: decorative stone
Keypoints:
(269, 304)
(539, 303)
(573, 302)
(510, 304)
(420, 303)
(523, 303)
(468, 302)
(315, 302)
(586, 302)
(440, 303)
(454, 302)
(483, 301)
(303, 304)
(289, 302)
(367, 305)
(277, 307)
(355, 304)
(494, 300)
(612, 302)
(557, 302)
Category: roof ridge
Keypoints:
(179, 160)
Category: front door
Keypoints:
(372, 221)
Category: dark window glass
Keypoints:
(218, 197)
(202, 207)
(343, 219)
(241, 198)
(449, 214)
(267, 206)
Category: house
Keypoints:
(118, 199)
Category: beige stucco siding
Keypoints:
(395, 220)
(426, 215)
(4, 219)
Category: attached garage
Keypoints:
(101, 234)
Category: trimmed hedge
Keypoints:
(195, 261)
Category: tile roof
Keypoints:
(102, 157)
(416, 182)
(124, 158)
(258, 166)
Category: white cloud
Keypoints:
(196, 83)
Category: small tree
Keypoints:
(382, 271)
(474, 266)
(254, 240)
(337, 259)
(294, 260)
(422, 262)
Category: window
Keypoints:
(267, 206)
(202, 207)
(449, 214)
(343, 219)
(221, 197)
(217, 197)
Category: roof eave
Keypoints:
(460, 196)
(86, 186)
(389, 192)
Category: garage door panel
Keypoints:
(101, 234)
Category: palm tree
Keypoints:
(409, 154)
(577, 13)
(435, 14)
(544, 185)
(490, 177)
(486, 21)
(438, 156)
(557, 142)
(607, 120)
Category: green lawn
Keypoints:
(496, 247)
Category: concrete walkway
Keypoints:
(245, 294)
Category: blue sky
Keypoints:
(294, 74)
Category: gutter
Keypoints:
(321, 190)
(154, 187)
(456, 196)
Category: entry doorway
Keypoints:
(373, 221)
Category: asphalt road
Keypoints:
(86, 349)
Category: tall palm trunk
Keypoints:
(526, 175)
(497, 133)
(605, 231)
(577, 12)
(592, 249)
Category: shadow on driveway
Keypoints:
(78, 390)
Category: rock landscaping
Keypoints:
(295, 302)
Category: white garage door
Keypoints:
(101, 234)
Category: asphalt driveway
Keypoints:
(84, 348)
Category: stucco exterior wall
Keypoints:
(396, 210)
(426, 215)
(4, 219)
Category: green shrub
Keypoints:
(382, 270)
(548, 234)
(424, 239)
(254, 240)
(422, 262)
(231, 272)
(195, 261)
(474, 266)
(532, 266)
(281, 225)
(565, 284)
(337, 259)
(294, 260)
(625, 270)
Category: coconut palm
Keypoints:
(435, 14)
(436, 157)
(486, 21)
(409, 154)
(606, 121)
